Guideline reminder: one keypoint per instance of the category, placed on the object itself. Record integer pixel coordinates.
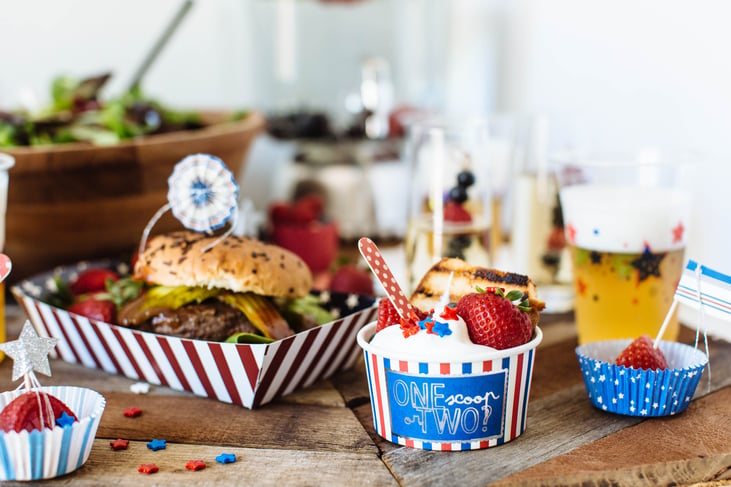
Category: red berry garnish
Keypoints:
(454, 212)
(92, 280)
(493, 320)
(641, 354)
(95, 309)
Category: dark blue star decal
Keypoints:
(647, 264)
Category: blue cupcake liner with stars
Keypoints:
(645, 393)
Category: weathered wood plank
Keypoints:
(709, 471)
(557, 424)
(253, 466)
(647, 448)
(194, 420)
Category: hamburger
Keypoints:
(240, 287)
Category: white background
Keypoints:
(610, 74)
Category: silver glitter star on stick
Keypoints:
(29, 352)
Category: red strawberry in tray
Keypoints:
(350, 278)
(33, 410)
(92, 280)
(641, 354)
(493, 320)
(95, 309)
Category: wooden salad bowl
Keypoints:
(76, 201)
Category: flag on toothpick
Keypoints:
(709, 292)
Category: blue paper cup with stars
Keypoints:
(645, 393)
(49, 453)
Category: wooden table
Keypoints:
(324, 435)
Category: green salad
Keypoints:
(77, 114)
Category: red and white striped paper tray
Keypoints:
(247, 374)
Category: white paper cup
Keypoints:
(632, 392)
(449, 406)
(49, 453)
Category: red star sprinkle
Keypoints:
(571, 233)
(148, 468)
(132, 412)
(195, 465)
(119, 444)
(678, 233)
(581, 285)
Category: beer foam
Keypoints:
(625, 219)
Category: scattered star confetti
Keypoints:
(139, 388)
(65, 420)
(132, 412)
(647, 264)
(29, 352)
(226, 458)
(156, 445)
(195, 465)
(119, 444)
(148, 468)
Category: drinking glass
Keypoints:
(6, 162)
(626, 220)
(449, 203)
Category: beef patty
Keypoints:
(210, 320)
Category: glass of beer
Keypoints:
(626, 221)
(449, 204)
(6, 162)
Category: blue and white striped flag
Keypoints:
(709, 291)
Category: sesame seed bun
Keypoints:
(239, 264)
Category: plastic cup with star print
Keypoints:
(626, 220)
(449, 193)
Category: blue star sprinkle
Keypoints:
(437, 327)
(226, 458)
(65, 420)
(155, 445)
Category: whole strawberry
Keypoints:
(641, 354)
(493, 320)
(92, 280)
(29, 412)
(95, 309)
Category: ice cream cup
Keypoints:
(632, 392)
(49, 453)
(449, 406)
